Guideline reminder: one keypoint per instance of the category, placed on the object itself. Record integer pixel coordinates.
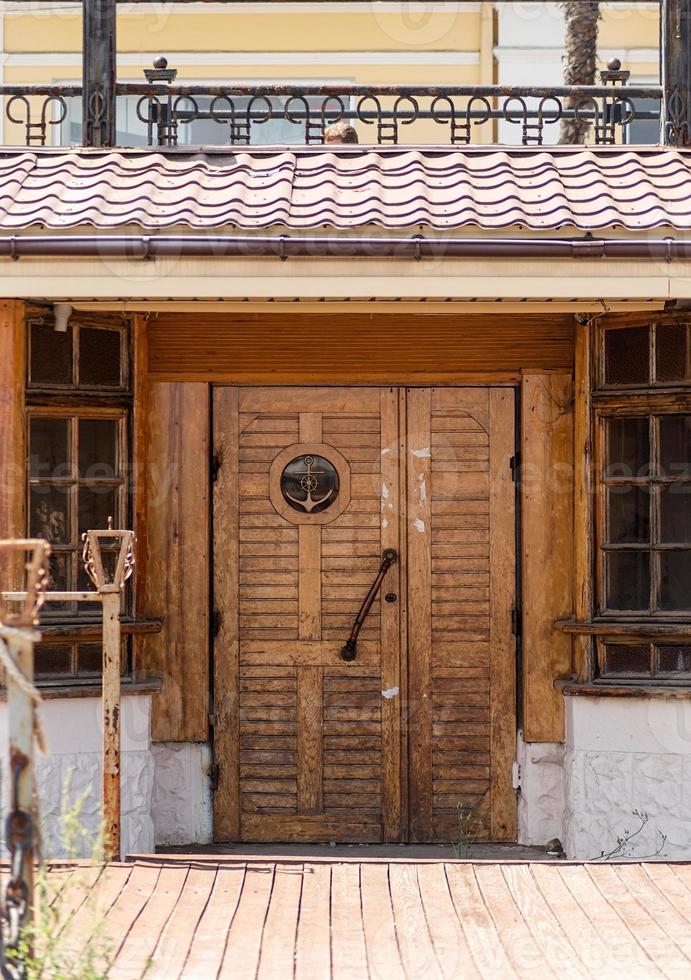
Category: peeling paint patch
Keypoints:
(385, 492)
(385, 451)
(390, 692)
(385, 522)
(423, 488)
(420, 525)
(422, 453)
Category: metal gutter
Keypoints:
(284, 247)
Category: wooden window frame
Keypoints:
(650, 407)
(76, 324)
(122, 483)
(654, 675)
(629, 323)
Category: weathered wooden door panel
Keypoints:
(461, 590)
(309, 748)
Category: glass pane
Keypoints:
(675, 445)
(99, 358)
(49, 441)
(98, 449)
(52, 660)
(628, 515)
(628, 580)
(675, 580)
(51, 356)
(622, 658)
(89, 658)
(60, 580)
(674, 658)
(96, 505)
(628, 448)
(672, 352)
(49, 515)
(84, 584)
(627, 356)
(675, 513)
(60, 572)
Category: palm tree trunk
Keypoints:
(580, 58)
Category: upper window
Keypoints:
(647, 356)
(86, 356)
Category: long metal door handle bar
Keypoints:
(349, 651)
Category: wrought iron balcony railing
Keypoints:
(160, 113)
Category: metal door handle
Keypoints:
(349, 651)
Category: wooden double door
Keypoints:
(314, 485)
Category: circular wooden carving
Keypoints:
(309, 483)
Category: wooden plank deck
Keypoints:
(377, 919)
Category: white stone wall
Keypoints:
(622, 755)
(182, 809)
(541, 796)
(71, 773)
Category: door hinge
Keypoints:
(514, 466)
(215, 466)
(216, 620)
(516, 622)
(214, 776)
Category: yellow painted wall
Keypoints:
(629, 27)
(368, 30)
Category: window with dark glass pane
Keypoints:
(628, 580)
(627, 356)
(49, 448)
(76, 483)
(52, 660)
(672, 354)
(50, 356)
(675, 445)
(627, 658)
(75, 660)
(100, 358)
(674, 658)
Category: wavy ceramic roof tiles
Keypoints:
(540, 189)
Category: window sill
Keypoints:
(89, 690)
(681, 631)
(94, 631)
(630, 690)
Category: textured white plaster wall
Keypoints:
(626, 754)
(71, 772)
(182, 808)
(541, 799)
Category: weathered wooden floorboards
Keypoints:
(202, 918)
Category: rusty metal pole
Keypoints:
(99, 72)
(20, 717)
(110, 601)
(675, 61)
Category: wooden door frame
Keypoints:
(226, 802)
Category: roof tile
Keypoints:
(540, 189)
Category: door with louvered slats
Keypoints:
(461, 649)
(306, 502)
(415, 735)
